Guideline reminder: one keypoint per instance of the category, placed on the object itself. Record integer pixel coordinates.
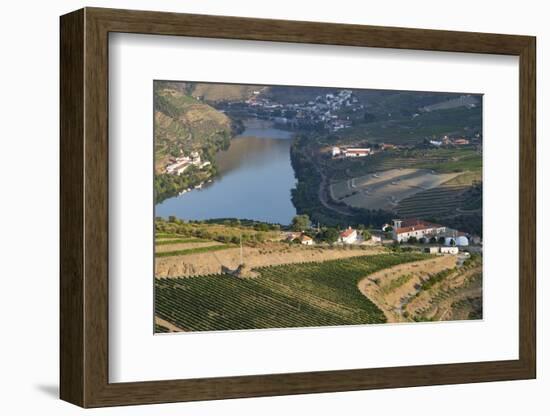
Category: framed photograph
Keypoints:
(263, 207)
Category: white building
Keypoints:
(306, 240)
(335, 151)
(348, 236)
(405, 229)
(357, 152)
(448, 250)
(179, 166)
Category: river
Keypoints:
(254, 181)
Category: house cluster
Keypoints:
(350, 151)
(180, 164)
(322, 110)
(347, 236)
(426, 232)
(451, 141)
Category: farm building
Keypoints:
(292, 236)
(423, 231)
(348, 236)
(442, 250)
(357, 152)
(461, 142)
(448, 250)
(376, 238)
(405, 229)
(306, 240)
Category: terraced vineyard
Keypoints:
(441, 160)
(440, 288)
(295, 295)
(432, 203)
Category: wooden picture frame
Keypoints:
(84, 207)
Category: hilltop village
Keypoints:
(324, 111)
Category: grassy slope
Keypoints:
(297, 295)
(227, 232)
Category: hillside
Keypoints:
(183, 125)
(223, 92)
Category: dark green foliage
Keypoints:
(328, 235)
(300, 222)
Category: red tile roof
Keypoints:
(414, 224)
(347, 233)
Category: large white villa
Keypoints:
(413, 227)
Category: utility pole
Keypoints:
(241, 240)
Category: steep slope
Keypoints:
(184, 125)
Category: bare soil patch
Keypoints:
(375, 286)
(264, 255)
(168, 325)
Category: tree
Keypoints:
(262, 227)
(453, 242)
(366, 235)
(441, 240)
(433, 240)
(300, 222)
(330, 235)
(412, 240)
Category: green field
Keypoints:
(180, 241)
(296, 295)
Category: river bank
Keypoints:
(253, 179)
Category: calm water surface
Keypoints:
(254, 181)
